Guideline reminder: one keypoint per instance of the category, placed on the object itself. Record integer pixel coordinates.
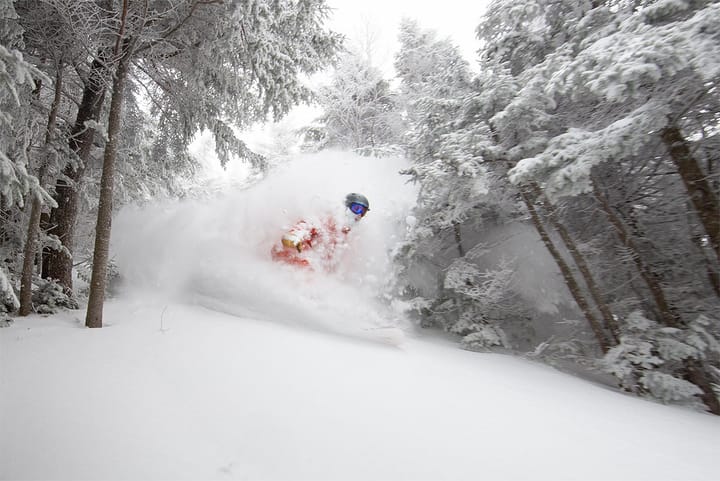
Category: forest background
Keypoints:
(591, 127)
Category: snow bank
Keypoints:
(178, 392)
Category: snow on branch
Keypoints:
(566, 163)
(627, 63)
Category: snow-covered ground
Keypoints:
(216, 363)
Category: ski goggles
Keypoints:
(358, 209)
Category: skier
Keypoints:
(321, 239)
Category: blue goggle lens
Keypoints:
(358, 209)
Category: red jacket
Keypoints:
(306, 243)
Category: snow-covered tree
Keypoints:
(360, 110)
(443, 263)
(60, 34)
(9, 300)
(434, 79)
(652, 67)
(663, 363)
(16, 84)
(20, 90)
(562, 128)
(512, 107)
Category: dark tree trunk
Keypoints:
(696, 373)
(567, 274)
(714, 279)
(31, 244)
(63, 218)
(458, 238)
(44, 254)
(98, 281)
(529, 194)
(701, 193)
(31, 240)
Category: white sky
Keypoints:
(456, 19)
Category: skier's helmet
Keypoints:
(357, 203)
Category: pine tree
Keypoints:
(19, 85)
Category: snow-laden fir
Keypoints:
(216, 363)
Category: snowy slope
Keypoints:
(216, 363)
(213, 396)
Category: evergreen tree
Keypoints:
(617, 92)
(17, 82)
(594, 121)
(470, 295)
(19, 89)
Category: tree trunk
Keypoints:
(570, 281)
(458, 238)
(45, 253)
(609, 321)
(98, 281)
(714, 278)
(63, 218)
(701, 194)
(696, 373)
(31, 240)
(31, 244)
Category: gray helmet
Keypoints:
(354, 198)
(357, 199)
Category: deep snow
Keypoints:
(216, 363)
